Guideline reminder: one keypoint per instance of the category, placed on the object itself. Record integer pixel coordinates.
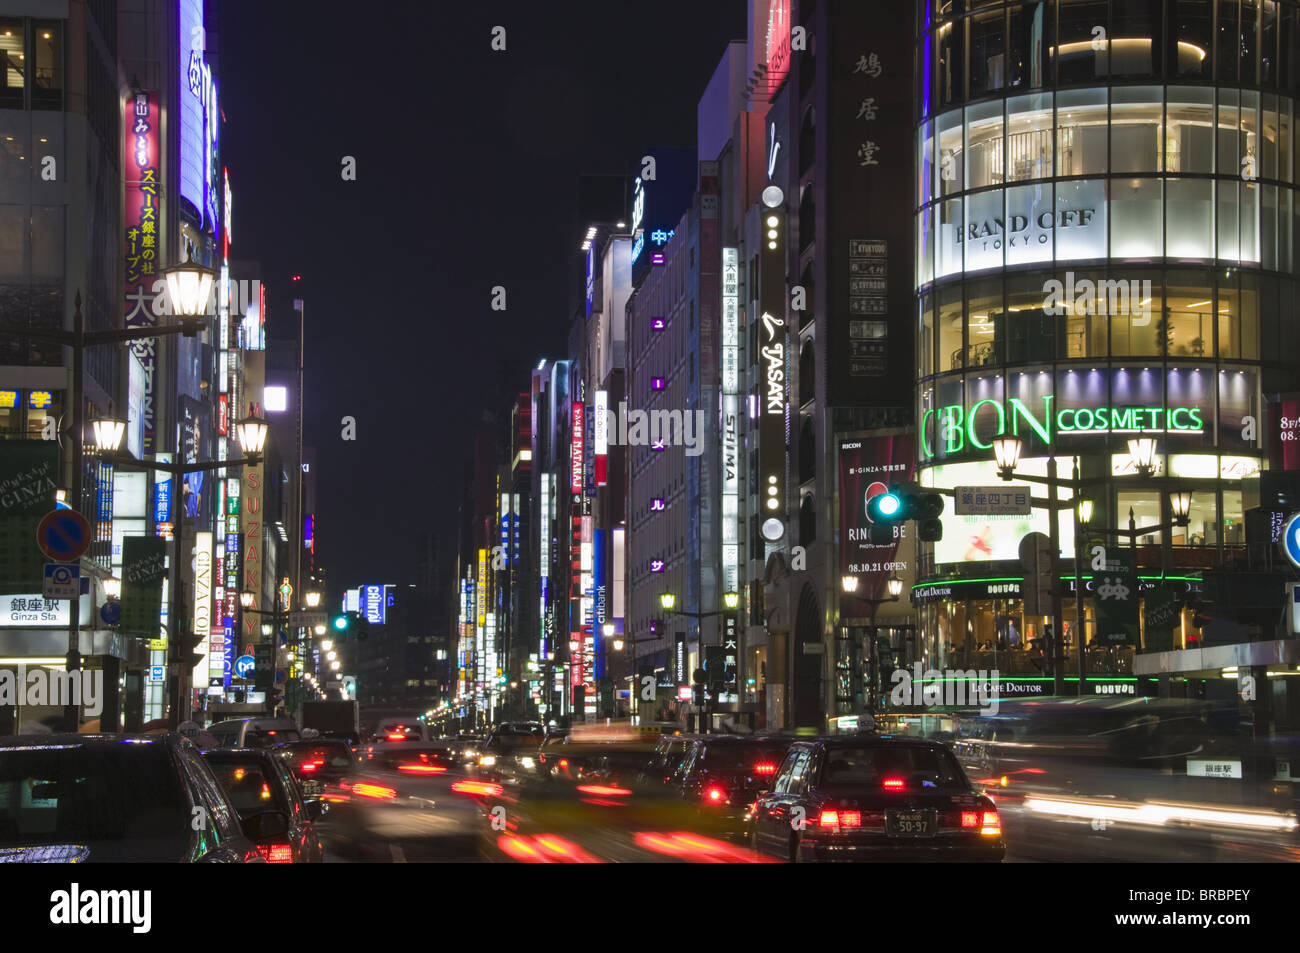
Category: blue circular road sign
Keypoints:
(111, 613)
(244, 666)
(63, 535)
(1291, 540)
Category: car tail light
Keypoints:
(714, 794)
(970, 818)
(485, 788)
(365, 789)
(396, 736)
(850, 818)
(602, 789)
(990, 823)
(828, 819)
(892, 784)
(276, 853)
(765, 768)
(266, 791)
(421, 768)
(308, 767)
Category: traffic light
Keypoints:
(900, 504)
(350, 625)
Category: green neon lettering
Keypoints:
(1122, 419)
(970, 422)
(1197, 423)
(925, 444)
(1156, 413)
(1061, 426)
(953, 415)
(1101, 419)
(1173, 418)
(1018, 409)
(1078, 422)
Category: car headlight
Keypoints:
(527, 762)
(487, 761)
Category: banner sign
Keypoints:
(143, 225)
(144, 565)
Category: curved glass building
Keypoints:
(1106, 229)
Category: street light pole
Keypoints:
(71, 717)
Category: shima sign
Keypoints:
(952, 429)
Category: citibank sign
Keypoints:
(951, 428)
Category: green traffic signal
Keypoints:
(341, 622)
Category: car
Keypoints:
(510, 750)
(870, 797)
(115, 798)
(271, 807)
(253, 732)
(413, 756)
(319, 764)
(666, 758)
(722, 774)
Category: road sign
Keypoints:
(156, 673)
(61, 581)
(1291, 540)
(992, 501)
(309, 619)
(111, 613)
(63, 535)
(244, 666)
(157, 645)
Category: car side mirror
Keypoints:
(264, 826)
(316, 808)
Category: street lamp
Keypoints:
(251, 432)
(1143, 452)
(1084, 510)
(667, 601)
(1180, 504)
(108, 434)
(113, 587)
(326, 644)
(895, 587)
(1006, 451)
(312, 599)
(189, 288)
(247, 599)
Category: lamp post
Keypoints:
(849, 587)
(731, 602)
(108, 437)
(78, 339)
(1083, 511)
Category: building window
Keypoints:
(47, 69)
(15, 65)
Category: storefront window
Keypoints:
(1081, 123)
(988, 52)
(1234, 525)
(985, 236)
(1203, 528)
(925, 237)
(1029, 43)
(1136, 218)
(1029, 331)
(984, 151)
(1135, 37)
(1230, 144)
(1189, 205)
(1136, 114)
(1144, 508)
(984, 313)
(1190, 32)
(1237, 401)
(950, 324)
(949, 241)
(1078, 62)
(925, 339)
(1027, 240)
(1029, 136)
(1189, 330)
(1080, 223)
(925, 163)
(950, 160)
(1190, 134)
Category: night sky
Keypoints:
(467, 169)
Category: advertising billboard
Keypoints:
(142, 223)
(868, 466)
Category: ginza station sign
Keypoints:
(951, 429)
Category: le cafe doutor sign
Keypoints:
(953, 428)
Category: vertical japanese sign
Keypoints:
(142, 222)
(772, 362)
(730, 456)
(601, 429)
(202, 602)
(578, 418)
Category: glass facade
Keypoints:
(1105, 220)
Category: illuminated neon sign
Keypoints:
(956, 428)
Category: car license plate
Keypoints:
(911, 823)
(312, 788)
